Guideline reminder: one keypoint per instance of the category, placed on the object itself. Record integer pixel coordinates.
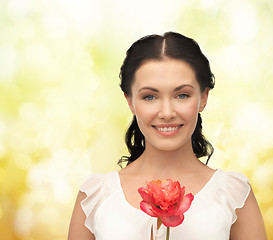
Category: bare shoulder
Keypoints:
(77, 229)
(130, 176)
(208, 171)
(130, 169)
(249, 224)
(202, 173)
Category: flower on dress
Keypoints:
(165, 199)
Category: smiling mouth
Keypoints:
(167, 129)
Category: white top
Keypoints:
(110, 217)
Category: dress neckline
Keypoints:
(203, 190)
(129, 207)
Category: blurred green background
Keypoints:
(63, 115)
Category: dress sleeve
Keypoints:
(237, 187)
(95, 189)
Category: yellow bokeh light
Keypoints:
(63, 116)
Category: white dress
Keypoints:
(110, 217)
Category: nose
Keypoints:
(167, 110)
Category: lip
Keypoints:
(166, 132)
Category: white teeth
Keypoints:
(165, 129)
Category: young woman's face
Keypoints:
(166, 99)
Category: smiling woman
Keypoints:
(166, 81)
(154, 48)
(166, 99)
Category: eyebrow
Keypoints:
(176, 89)
(182, 86)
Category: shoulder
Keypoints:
(232, 181)
(92, 193)
(96, 188)
(231, 189)
(233, 192)
(247, 221)
(97, 181)
(230, 175)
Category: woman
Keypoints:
(166, 81)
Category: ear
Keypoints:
(130, 104)
(204, 99)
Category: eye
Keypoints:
(182, 96)
(149, 98)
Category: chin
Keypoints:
(167, 147)
(170, 144)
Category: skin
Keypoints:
(166, 93)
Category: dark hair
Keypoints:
(156, 47)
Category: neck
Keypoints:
(168, 163)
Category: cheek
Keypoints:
(189, 111)
(145, 114)
(144, 110)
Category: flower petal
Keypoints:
(147, 208)
(185, 203)
(172, 221)
(165, 199)
(158, 212)
(144, 194)
(183, 190)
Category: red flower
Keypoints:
(166, 200)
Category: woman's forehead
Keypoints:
(165, 72)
